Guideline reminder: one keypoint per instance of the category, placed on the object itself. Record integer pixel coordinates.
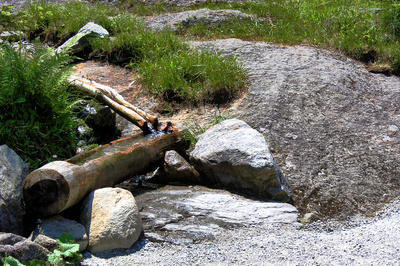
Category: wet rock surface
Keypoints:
(183, 215)
(331, 124)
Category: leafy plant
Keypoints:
(6, 15)
(10, 261)
(67, 252)
(35, 106)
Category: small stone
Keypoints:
(51, 229)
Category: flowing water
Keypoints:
(122, 145)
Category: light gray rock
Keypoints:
(12, 175)
(236, 156)
(192, 2)
(183, 215)
(331, 124)
(21, 248)
(81, 40)
(111, 219)
(12, 36)
(49, 230)
(193, 17)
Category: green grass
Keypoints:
(165, 63)
(367, 30)
(194, 128)
(185, 76)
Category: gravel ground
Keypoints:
(356, 242)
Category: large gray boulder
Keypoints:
(80, 41)
(333, 126)
(12, 175)
(111, 219)
(49, 230)
(236, 156)
(21, 248)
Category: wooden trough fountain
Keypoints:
(59, 185)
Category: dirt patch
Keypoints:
(123, 80)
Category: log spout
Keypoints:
(61, 184)
(115, 101)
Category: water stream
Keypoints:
(122, 145)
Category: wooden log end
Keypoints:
(46, 192)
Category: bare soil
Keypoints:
(123, 80)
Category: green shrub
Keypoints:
(35, 108)
(6, 18)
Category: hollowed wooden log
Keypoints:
(115, 101)
(60, 184)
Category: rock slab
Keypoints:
(111, 219)
(184, 215)
(332, 125)
(236, 156)
(12, 175)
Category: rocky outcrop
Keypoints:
(333, 127)
(192, 17)
(12, 174)
(21, 248)
(51, 229)
(111, 219)
(190, 2)
(234, 155)
(81, 40)
(183, 215)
